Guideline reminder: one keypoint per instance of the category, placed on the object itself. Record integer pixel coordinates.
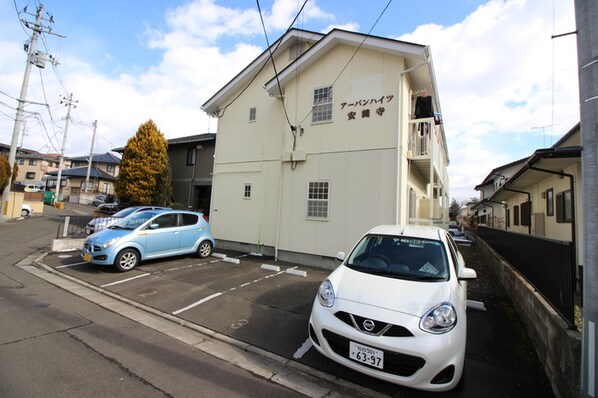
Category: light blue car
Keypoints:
(148, 235)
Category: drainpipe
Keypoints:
(529, 199)
(572, 189)
(491, 208)
(498, 203)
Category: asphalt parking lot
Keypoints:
(265, 303)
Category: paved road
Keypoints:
(268, 314)
(54, 343)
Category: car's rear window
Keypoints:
(189, 219)
(400, 257)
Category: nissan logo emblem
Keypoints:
(369, 325)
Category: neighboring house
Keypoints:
(33, 166)
(73, 183)
(192, 161)
(343, 135)
(490, 212)
(543, 197)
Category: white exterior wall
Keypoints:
(357, 157)
(552, 228)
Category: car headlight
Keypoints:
(111, 242)
(439, 319)
(326, 294)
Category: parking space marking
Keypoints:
(177, 312)
(124, 280)
(197, 303)
(303, 349)
(71, 265)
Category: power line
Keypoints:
(352, 56)
(221, 112)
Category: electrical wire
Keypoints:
(293, 128)
(352, 57)
(221, 112)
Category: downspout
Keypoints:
(498, 203)
(529, 199)
(572, 188)
(491, 208)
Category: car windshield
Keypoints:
(135, 220)
(400, 257)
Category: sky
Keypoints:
(506, 87)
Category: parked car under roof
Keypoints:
(395, 309)
(149, 235)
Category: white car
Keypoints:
(26, 210)
(395, 309)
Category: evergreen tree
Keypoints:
(454, 209)
(4, 172)
(145, 176)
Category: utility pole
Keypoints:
(93, 140)
(37, 28)
(39, 59)
(586, 15)
(69, 104)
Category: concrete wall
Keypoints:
(558, 348)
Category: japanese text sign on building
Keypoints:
(362, 107)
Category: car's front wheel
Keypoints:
(24, 213)
(204, 249)
(126, 260)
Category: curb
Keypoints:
(278, 369)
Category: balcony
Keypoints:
(424, 148)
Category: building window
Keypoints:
(549, 202)
(110, 168)
(563, 207)
(317, 200)
(247, 191)
(526, 213)
(508, 220)
(322, 107)
(252, 114)
(191, 156)
(30, 175)
(21, 161)
(32, 162)
(515, 215)
(106, 188)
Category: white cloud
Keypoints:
(495, 77)
(494, 71)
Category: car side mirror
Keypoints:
(467, 274)
(154, 226)
(340, 256)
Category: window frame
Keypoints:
(322, 111)
(191, 156)
(564, 209)
(550, 202)
(247, 191)
(317, 208)
(252, 114)
(516, 215)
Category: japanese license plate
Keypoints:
(87, 257)
(367, 355)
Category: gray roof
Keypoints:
(98, 158)
(82, 172)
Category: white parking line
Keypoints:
(124, 280)
(71, 265)
(196, 303)
(303, 349)
(221, 293)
